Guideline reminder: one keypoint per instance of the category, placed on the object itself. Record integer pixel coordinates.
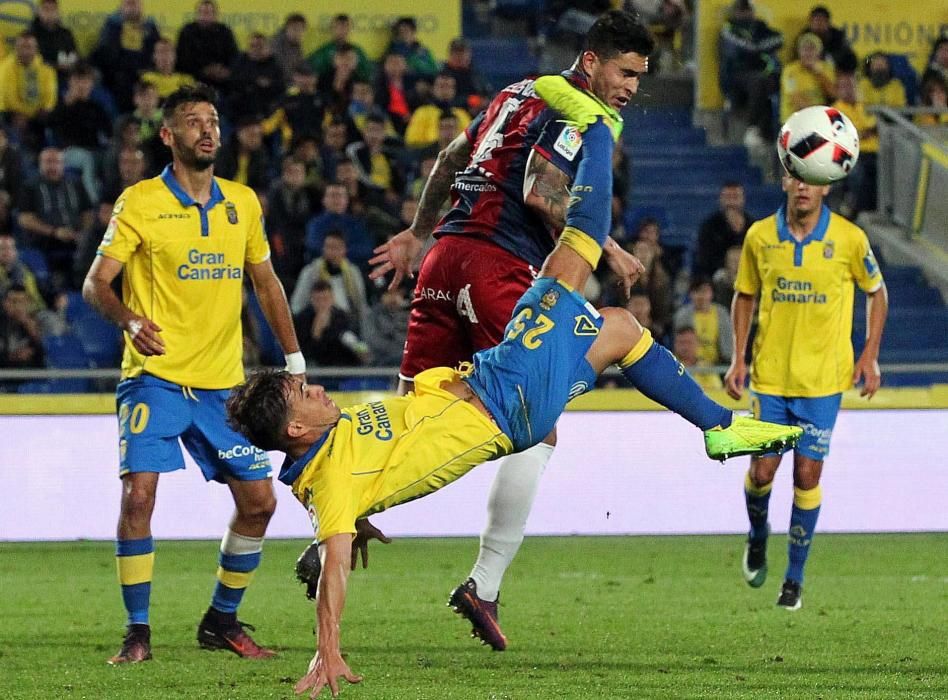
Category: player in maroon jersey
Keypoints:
(509, 175)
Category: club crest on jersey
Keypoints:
(569, 142)
(231, 212)
(828, 249)
(585, 326)
(549, 299)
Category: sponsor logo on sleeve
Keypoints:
(568, 143)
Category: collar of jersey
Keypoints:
(290, 472)
(167, 177)
(783, 232)
(577, 77)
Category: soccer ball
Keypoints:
(818, 145)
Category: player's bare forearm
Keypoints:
(450, 160)
(97, 291)
(877, 309)
(547, 191)
(336, 555)
(273, 303)
(742, 311)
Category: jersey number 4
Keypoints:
(538, 326)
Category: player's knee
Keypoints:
(259, 510)
(138, 501)
(621, 325)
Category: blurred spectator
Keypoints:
(422, 128)
(291, 205)
(938, 62)
(125, 48)
(333, 151)
(11, 166)
(336, 217)
(327, 334)
(130, 169)
(54, 211)
(81, 127)
(722, 230)
(469, 85)
(665, 18)
(857, 192)
(387, 327)
(340, 29)
(656, 284)
(345, 279)
(21, 340)
(251, 331)
(640, 306)
(335, 84)
(257, 78)
(287, 44)
(835, 48)
(56, 43)
(448, 129)
(686, 348)
(376, 164)
(879, 87)
(15, 273)
(147, 118)
(405, 42)
(807, 81)
(301, 110)
(164, 76)
(933, 94)
(306, 150)
(244, 158)
(724, 277)
(749, 70)
(361, 197)
(27, 90)
(88, 244)
(393, 90)
(362, 104)
(6, 213)
(207, 48)
(711, 322)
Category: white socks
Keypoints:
(511, 498)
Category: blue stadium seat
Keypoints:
(55, 386)
(65, 352)
(100, 340)
(78, 308)
(36, 261)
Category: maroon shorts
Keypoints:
(467, 289)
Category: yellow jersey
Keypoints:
(27, 90)
(796, 79)
(803, 346)
(892, 94)
(165, 84)
(863, 121)
(184, 270)
(388, 452)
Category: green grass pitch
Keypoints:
(611, 617)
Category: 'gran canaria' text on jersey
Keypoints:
(208, 266)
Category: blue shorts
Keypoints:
(154, 413)
(527, 380)
(816, 416)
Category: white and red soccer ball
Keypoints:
(818, 145)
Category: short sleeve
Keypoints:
(863, 265)
(123, 234)
(560, 143)
(258, 249)
(748, 274)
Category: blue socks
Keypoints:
(135, 561)
(803, 517)
(239, 558)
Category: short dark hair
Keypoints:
(295, 18)
(407, 21)
(681, 330)
(258, 408)
(334, 233)
(728, 184)
(189, 94)
(820, 10)
(699, 281)
(342, 17)
(617, 32)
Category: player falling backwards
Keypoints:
(347, 464)
(508, 176)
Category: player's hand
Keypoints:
(145, 335)
(398, 254)
(625, 266)
(735, 377)
(325, 669)
(365, 531)
(867, 370)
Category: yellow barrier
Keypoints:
(439, 21)
(871, 25)
(605, 400)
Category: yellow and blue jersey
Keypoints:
(184, 269)
(388, 452)
(803, 345)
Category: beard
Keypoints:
(195, 160)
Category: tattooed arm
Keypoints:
(450, 160)
(546, 191)
(400, 253)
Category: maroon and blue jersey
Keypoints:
(488, 195)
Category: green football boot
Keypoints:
(580, 107)
(748, 436)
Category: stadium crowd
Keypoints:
(338, 148)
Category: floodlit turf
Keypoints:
(639, 617)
